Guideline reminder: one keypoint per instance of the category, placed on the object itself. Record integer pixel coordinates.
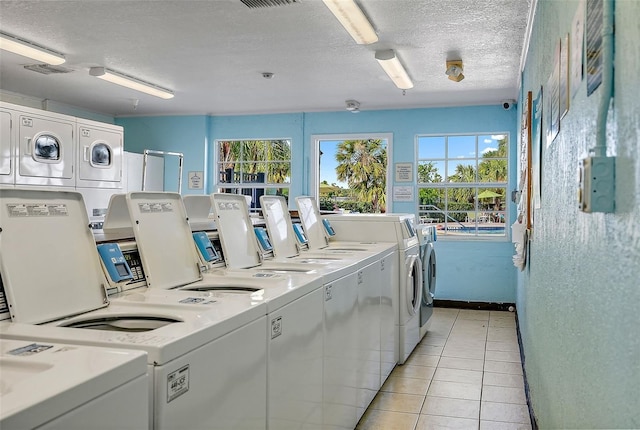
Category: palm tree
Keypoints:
(362, 164)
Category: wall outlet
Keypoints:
(596, 191)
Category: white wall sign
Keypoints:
(196, 180)
(404, 172)
(403, 193)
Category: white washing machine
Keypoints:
(427, 237)
(398, 228)
(65, 301)
(293, 300)
(48, 385)
(44, 147)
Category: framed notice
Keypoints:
(196, 180)
(404, 172)
(403, 193)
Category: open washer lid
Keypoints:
(279, 226)
(48, 258)
(312, 222)
(198, 208)
(239, 243)
(164, 239)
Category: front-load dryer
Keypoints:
(65, 301)
(48, 385)
(427, 238)
(45, 147)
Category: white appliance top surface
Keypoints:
(385, 217)
(48, 257)
(164, 239)
(278, 222)
(42, 380)
(312, 222)
(235, 228)
(196, 324)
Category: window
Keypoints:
(254, 167)
(462, 184)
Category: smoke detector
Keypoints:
(353, 106)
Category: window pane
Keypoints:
(229, 152)
(279, 150)
(461, 147)
(492, 170)
(491, 146)
(430, 171)
(279, 173)
(461, 171)
(431, 147)
(461, 199)
(253, 172)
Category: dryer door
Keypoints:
(413, 284)
(45, 148)
(429, 273)
(100, 162)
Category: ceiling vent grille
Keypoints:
(47, 69)
(267, 3)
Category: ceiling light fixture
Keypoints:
(353, 106)
(454, 70)
(393, 67)
(353, 20)
(130, 82)
(29, 49)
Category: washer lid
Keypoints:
(279, 226)
(239, 243)
(48, 258)
(312, 223)
(162, 232)
(198, 207)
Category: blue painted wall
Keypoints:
(468, 270)
(578, 298)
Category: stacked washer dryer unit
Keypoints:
(408, 296)
(427, 238)
(376, 338)
(99, 165)
(49, 385)
(194, 381)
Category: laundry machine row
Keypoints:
(206, 355)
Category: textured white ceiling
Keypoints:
(212, 54)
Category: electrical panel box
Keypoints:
(596, 191)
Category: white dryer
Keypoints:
(398, 228)
(183, 334)
(49, 385)
(44, 147)
(7, 138)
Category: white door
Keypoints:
(414, 285)
(45, 151)
(100, 156)
(6, 145)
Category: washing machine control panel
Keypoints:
(114, 262)
(328, 228)
(300, 235)
(205, 247)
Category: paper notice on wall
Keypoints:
(403, 193)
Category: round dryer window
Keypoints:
(101, 155)
(46, 147)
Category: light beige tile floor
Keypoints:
(465, 374)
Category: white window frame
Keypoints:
(444, 185)
(314, 171)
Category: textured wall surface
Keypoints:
(578, 299)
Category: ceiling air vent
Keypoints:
(267, 3)
(47, 69)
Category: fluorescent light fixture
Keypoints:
(454, 70)
(353, 20)
(130, 82)
(29, 49)
(393, 67)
